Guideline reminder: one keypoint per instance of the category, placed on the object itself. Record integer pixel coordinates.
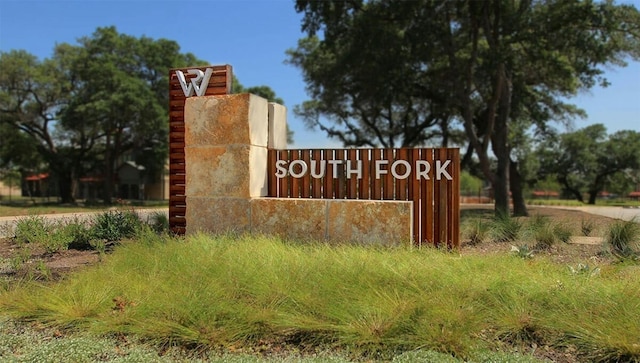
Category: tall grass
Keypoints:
(377, 302)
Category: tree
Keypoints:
(491, 65)
(93, 103)
(584, 161)
(31, 93)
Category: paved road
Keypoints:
(7, 224)
(627, 214)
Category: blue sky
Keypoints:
(252, 36)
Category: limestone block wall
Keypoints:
(226, 141)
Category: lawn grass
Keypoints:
(381, 303)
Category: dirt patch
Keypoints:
(33, 259)
(580, 249)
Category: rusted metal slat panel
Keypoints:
(351, 179)
(306, 178)
(427, 201)
(402, 184)
(364, 186)
(272, 182)
(283, 183)
(387, 182)
(219, 84)
(414, 195)
(316, 183)
(377, 182)
(328, 190)
(340, 181)
(454, 199)
(295, 182)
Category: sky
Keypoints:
(252, 36)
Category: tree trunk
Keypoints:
(65, 185)
(501, 188)
(515, 181)
(106, 193)
(592, 197)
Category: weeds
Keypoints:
(587, 226)
(32, 229)
(505, 228)
(115, 225)
(623, 239)
(477, 231)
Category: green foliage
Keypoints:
(563, 232)
(372, 302)
(469, 184)
(159, 222)
(32, 229)
(476, 231)
(586, 160)
(587, 226)
(505, 228)
(522, 251)
(113, 226)
(623, 239)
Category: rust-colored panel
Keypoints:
(387, 183)
(295, 182)
(283, 183)
(328, 190)
(272, 182)
(414, 195)
(316, 183)
(402, 184)
(427, 201)
(454, 199)
(352, 181)
(364, 186)
(339, 185)
(306, 179)
(219, 84)
(376, 192)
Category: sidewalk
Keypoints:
(626, 214)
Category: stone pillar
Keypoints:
(226, 140)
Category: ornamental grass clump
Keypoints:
(113, 226)
(623, 240)
(505, 228)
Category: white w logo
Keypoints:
(198, 83)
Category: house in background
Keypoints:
(130, 181)
(134, 184)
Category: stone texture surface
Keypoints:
(258, 178)
(277, 126)
(218, 215)
(229, 119)
(290, 218)
(370, 222)
(217, 171)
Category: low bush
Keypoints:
(505, 228)
(32, 229)
(623, 239)
(113, 226)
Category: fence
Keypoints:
(428, 177)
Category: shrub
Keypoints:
(80, 235)
(623, 239)
(587, 226)
(32, 229)
(159, 222)
(505, 228)
(562, 232)
(115, 225)
(476, 231)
